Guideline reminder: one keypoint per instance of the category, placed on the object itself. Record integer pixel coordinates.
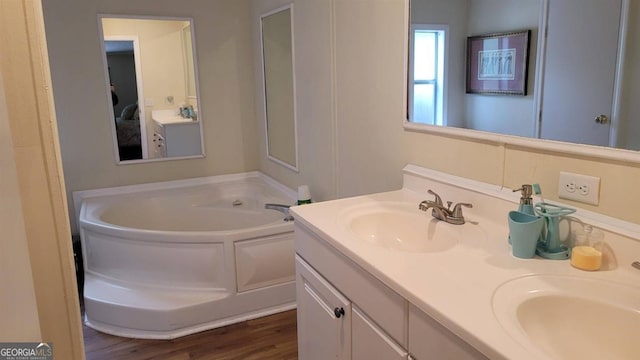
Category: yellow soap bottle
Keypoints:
(587, 249)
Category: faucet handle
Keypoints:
(438, 200)
(457, 209)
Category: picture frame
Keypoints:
(498, 64)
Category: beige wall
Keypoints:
(340, 81)
(369, 50)
(18, 309)
(161, 57)
(31, 169)
(224, 55)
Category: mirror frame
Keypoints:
(101, 37)
(293, 167)
(591, 151)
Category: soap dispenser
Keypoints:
(526, 202)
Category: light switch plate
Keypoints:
(581, 188)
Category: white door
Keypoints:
(324, 317)
(580, 65)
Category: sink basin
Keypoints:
(567, 317)
(402, 227)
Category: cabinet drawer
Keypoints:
(428, 339)
(368, 341)
(381, 304)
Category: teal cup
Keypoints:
(524, 232)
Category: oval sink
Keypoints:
(570, 317)
(402, 227)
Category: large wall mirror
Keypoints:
(582, 76)
(279, 86)
(152, 84)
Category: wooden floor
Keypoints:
(271, 337)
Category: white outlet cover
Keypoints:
(586, 189)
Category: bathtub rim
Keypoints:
(168, 236)
(81, 195)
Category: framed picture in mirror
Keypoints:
(498, 63)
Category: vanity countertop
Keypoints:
(169, 117)
(455, 286)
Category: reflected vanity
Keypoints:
(581, 94)
(279, 86)
(152, 79)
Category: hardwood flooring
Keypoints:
(267, 338)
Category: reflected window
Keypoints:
(427, 74)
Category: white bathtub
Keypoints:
(165, 260)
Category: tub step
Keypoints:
(100, 290)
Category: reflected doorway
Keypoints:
(121, 62)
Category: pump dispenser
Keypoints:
(526, 202)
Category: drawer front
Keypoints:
(428, 339)
(368, 341)
(381, 304)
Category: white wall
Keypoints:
(224, 54)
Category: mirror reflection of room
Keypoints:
(124, 97)
(279, 97)
(575, 93)
(152, 80)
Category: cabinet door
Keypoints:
(324, 317)
(368, 341)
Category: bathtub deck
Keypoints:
(271, 337)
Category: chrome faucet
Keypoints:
(282, 208)
(440, 212)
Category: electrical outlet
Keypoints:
(581, 188)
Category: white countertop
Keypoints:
(454, 286)
(169, 117)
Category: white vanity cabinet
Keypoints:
(330, 326)
(180, 138)
(345, 312)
